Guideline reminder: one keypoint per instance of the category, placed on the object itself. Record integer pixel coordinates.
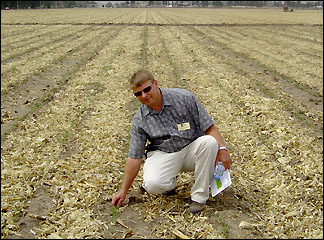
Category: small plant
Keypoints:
(144, 50)
(19, 212)
(66, 134)
(114, 214)
(220, 220)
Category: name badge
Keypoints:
(183, 126)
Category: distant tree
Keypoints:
(298, 4)
(48, 4)
(9, 4)
(132, 3)
(109, 5)
(217, 3)
(26, 4)
(240, 3)
(92, 3)
(204, 3)
(260, 3)
(69, 4)
(196, 3)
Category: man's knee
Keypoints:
(154, 185)
(209, 142)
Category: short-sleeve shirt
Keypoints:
(181, 120)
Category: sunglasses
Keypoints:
(146, 90)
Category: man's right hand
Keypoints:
(118, 199)
(131, 170)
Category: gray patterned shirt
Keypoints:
(181, 120)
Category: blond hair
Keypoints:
(140, 77)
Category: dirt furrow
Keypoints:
(293, 96)
(19, 102)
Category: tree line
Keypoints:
(44, 4)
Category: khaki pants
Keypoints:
(161, 168)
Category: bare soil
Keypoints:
(21, 100)
(129, 223)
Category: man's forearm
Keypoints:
(222, 156)
(213, 131)
(131, 170)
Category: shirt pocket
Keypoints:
(187, 131)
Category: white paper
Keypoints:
(225, 180)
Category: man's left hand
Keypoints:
(225, 158)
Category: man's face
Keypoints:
(147, 93)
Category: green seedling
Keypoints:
(220, 220)
(114, 214)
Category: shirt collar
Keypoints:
(166, 101)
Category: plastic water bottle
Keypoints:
(219, 170)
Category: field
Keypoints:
(66, 113)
